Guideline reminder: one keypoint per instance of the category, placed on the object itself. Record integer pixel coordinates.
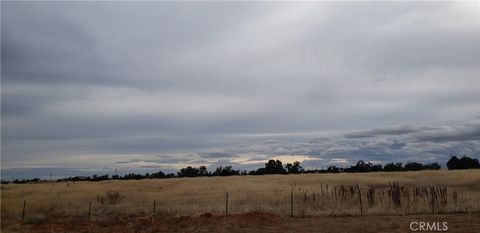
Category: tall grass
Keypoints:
(313, 194)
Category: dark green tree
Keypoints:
(463, 163)
(294, 168)
(274, 167)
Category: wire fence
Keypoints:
(297, 202)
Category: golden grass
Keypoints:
(314, 194)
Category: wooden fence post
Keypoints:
(154, 208)
(226, 203)
(89, 209)
(360, 199)
(23, 212)
(291, 203)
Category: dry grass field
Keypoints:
(183, 203)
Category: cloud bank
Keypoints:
(146, 85)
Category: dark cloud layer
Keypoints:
(141, 85)
(392, 130)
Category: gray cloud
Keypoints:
(391, 130)
(95, 83)
(467, 132)
(215, 155)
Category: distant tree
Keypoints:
(98, 178)
(202, 171)
(294, 168)
(225, 171)
(361, 166)
(260, 171)
(393, 167)
(453, 163)
(463, 163)
(22, 181)
(158, 175)
(229, 171)
(467, 163)
(376, 168)
(130, 176)
(217, 171)
(413, 166)
(274, 167)
(432, 166)
(333, 169)
(188, 172)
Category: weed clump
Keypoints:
(110, 198)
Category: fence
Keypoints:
(296, 202)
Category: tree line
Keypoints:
(276, 167)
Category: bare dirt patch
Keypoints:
(253, 222)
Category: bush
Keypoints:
(111, 198)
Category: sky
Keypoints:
(90, 87)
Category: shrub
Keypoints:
(111, 198)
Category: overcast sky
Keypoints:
(88, 87)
